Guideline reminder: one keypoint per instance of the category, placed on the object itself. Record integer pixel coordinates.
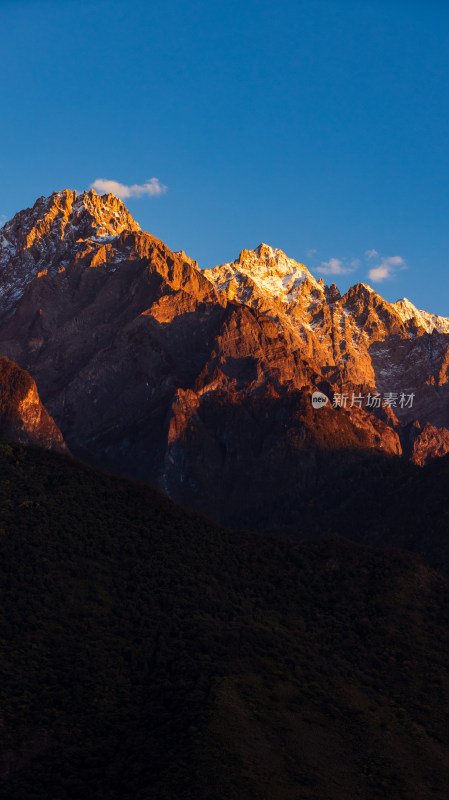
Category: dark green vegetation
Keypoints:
(147, 653)
(382, 501)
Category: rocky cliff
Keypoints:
(23, 418)
(201, 381)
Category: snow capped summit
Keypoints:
(279, 286)
(270, 259)
(265, 270)
(424, 319)
(65, 216)
(334, 332)
(48, 236)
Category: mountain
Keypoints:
(358, 341)
(147, 652)
(44, 239)
(200, 381)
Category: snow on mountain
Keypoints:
(430, 322)
(151, 338)
(334, 332)
(265, 269)
(283, 289)
(48, 236)
(268, 274)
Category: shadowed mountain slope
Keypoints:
(146, 652)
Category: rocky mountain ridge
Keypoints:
(358, 341)
(200, 381)
(56, 231)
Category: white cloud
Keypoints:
(396, 261)
(311, 252)
(335, 266)
(152, 187)
(387, 269)
(381, 273)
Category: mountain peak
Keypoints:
(271, 261)
(266, 253)
(109, 215)
(424, 319)
(66, 215)
(49, 234)
(263, 273)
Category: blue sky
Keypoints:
(319, 127)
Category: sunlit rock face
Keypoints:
(200, 380)
(424, 444)
(358, 342)
(58, 229)
(23, 418)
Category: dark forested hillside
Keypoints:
(382, 501)
(146, 652)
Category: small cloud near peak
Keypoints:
(152, 187)
(387, 269)
(335, 266)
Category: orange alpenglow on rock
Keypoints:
(200, 381)
(23, 418)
